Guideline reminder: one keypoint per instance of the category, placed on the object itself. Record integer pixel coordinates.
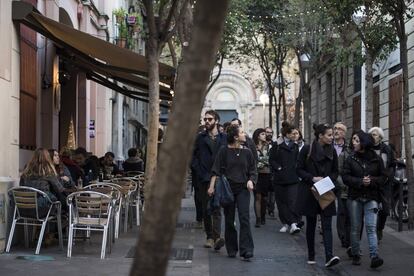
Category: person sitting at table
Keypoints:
(107, 165)
(134, 161)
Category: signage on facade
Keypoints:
(91, 128)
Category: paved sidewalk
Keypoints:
(275, 254)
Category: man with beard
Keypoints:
(207, 144)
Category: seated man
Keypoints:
(88, 165)
(134, 161)
(108, 166)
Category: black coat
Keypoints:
(358, 165)
(322, 162)
(283, 161)
(204, 155)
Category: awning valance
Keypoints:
(112, 64)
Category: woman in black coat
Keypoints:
(365, 176)
(315, 162)
(283, 159)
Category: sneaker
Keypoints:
(284, 228)
(376, 262)
(311, 261)
(209, 243)
(333, 261)
(300, 224)
(356, 260)
(218, 244)
(294, 229)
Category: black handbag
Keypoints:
(223, 195)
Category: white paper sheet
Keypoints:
(324, 185)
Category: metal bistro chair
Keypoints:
(129, 188)
(89, 211)
(115, 191)
(134, 173)
(26, 208)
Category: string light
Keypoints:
(277, 15)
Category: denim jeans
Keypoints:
(368, 208)
(212, 222)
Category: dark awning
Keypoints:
(100, 59)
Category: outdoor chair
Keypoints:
(115, 191)
(89, 211)
(27, 212)
(134, 173)
(130, 191)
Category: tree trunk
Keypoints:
(298, 101)
(271, 92)
(406, 123)
(369, 92)
(343, 93)
(158, 227)
(307, 124)
(152, 55)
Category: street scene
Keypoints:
(206, 137)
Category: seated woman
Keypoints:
(40, 173)
(62, 171)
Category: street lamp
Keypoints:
(264, 99)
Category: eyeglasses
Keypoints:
(208, 119)
(269, 132)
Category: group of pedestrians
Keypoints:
(287, 169)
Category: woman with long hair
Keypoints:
(283, 159)
(264, 179)
(317, 161)
(40, 173)
(364, 174)
(238, 165)
(62, 171)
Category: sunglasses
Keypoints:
(208, 119)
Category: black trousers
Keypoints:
(326, 222)
(212, 222)
(286, 196)
(245, 241)
(386, 206)
(197, 196)
(343, 223)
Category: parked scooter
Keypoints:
(400, 192)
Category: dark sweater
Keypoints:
(238, 165)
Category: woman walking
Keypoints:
(365, 176)
(283, 159)
(264, 179)
(316, 161)
(238, 165)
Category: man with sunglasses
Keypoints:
(207, 144)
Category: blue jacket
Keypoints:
(204, 155)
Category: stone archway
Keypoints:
(232, 96)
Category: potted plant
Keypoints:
(123, 33)
(119, 14)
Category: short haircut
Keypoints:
(377, 129)
(132, 152)
(81, 151)
(238, 120)
(111, 154)
(232, 131)
(214, 114)
(340, 125)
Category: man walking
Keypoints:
(207, 144)
(343, 222)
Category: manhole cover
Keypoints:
(177, 254)
(186, 225)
